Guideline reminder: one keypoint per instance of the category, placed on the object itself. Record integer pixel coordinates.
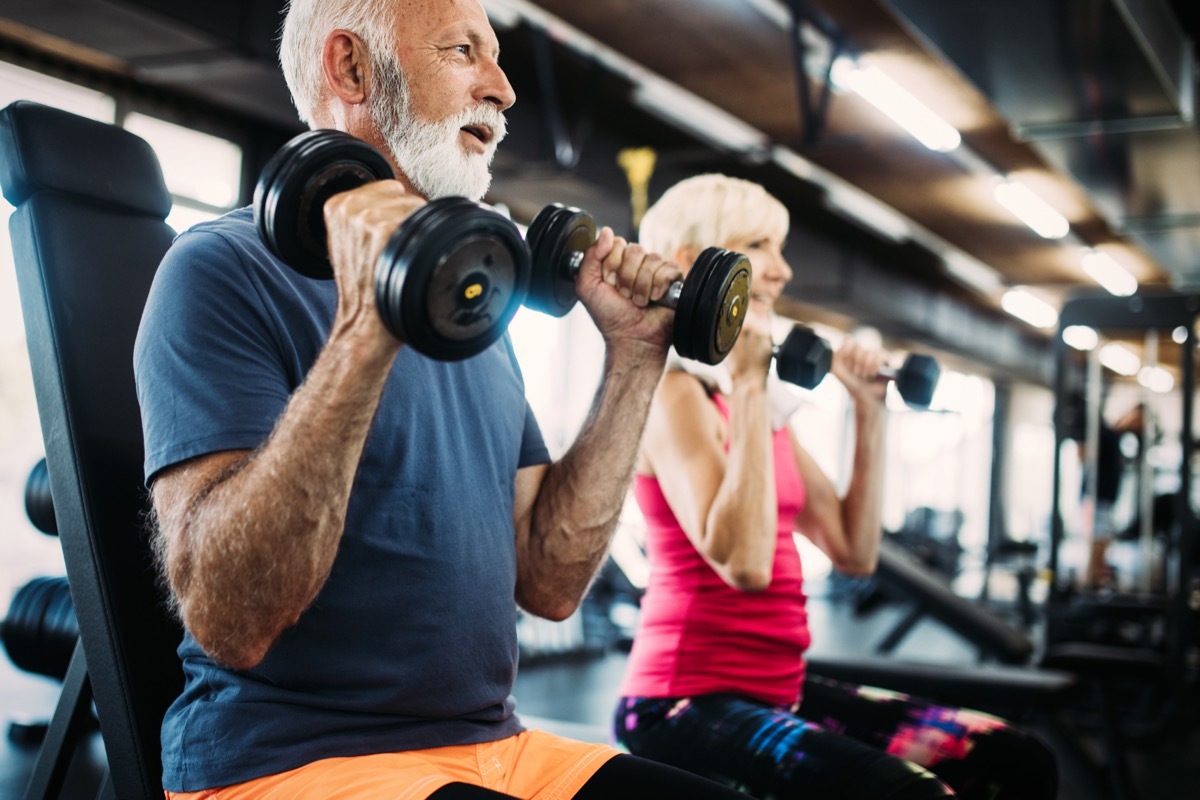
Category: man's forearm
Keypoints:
(249, 551)
(580, 501)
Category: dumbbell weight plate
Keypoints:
(804, 358)
(290, 196)
(557, 238)
(917, 380)
(40, 631)
(712, 305)
(451, 277)
(39, 505)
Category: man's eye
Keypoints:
(463, 48)
(757, 244)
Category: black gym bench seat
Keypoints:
(901, 577)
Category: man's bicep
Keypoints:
(526, 486)
(211, 372)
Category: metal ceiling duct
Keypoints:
(1104, 90)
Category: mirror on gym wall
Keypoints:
(1121, 453)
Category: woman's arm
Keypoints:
(848, 529)
(725, 502)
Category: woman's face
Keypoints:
(770, 270)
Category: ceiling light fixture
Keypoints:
(1120, 359)
(860, 207)
(1026, 306)
(1081, 337)
(1035, 212)
(971, 272)
(1105, 271)
(1179, 335)
(896, 102)
(697, 116)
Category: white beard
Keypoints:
(429, 153)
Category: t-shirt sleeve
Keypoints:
(533, 446)
(209, 369)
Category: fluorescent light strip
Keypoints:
(1035, 212)
(1025, 306)
(862, 208)
(1105, 271)
(1081, 337)
(692, 113)
(1120, 359)
(653, 93)
(874, 86)
(971, 272)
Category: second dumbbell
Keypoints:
(804, 358)
(451, 276)
(710, 305)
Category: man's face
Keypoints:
(438, 99)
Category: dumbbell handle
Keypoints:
(670, 298)
(887, 373)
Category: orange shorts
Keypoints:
(533, 764)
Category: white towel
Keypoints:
(783, 398)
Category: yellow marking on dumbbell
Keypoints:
(473, 291)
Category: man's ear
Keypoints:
(344, 60)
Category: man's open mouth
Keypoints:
(481, 132)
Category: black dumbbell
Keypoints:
(710, 306)
(448, 281)
(39, 505)
(40, 631)
(804, 358)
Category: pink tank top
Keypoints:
(697, 634)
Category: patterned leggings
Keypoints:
(844, 741)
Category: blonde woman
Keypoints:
(715, 677)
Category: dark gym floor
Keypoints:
(580, 691)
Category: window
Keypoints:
(202, 172)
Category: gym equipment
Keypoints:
(1139, 649)
(39, 505)
(902, 577)
(40, 631)
(804, 358)
(710, 306)
(450, 278)
(88, 233)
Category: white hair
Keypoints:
(711, 210)
(306, 26)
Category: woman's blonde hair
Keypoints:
(711, 210)
(302, 40)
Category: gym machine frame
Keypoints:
(1145, 311)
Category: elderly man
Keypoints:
(347, 527)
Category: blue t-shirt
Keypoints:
(412, 641)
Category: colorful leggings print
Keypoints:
(850, 742)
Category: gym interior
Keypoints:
(1005, 197)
